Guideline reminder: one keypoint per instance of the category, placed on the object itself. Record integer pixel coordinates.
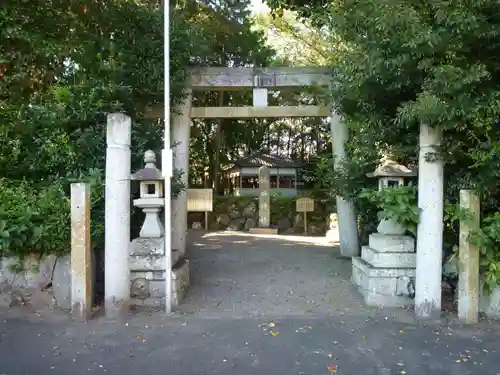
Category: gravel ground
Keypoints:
(277, 306)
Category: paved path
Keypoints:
(257, 306)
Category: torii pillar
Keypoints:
(181, 124)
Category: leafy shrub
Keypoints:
(398, 204)
(33, 221)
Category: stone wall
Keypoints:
(241, 214)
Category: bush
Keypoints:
(33, 221)
(38, 221)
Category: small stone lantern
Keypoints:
(151, 196)
(391, 174)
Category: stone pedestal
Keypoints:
(147, 261)
(385, 272)
(147, 273)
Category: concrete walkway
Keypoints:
(277, 306)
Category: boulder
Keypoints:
(249, 224)
(298, 221)
(250, 210)
(61, 282)
(283, 224)
(223, 220)
(236, 224)
(234, 211)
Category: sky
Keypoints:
(258, 6)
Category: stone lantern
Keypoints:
(385, 271)
(391, 174)
(151, 196)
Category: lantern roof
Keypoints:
(149, 172)
(390, 168)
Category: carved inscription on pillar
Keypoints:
(264, 197)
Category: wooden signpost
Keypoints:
(200, 200)
(305, 205)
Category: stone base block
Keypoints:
(264, 230)
(148, 291)
(383, 259)
(379, 286)
(391, 244)
(150, 262)
(380, 300)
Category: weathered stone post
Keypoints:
(347, 223)
(117, 214)
(264, 197)
(181, 125)
(430, 226)
(81, 252)
(468, 269)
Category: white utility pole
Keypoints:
(167, 159)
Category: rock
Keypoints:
(283, 224)
(61, 282)
(450, 268)
(249, 224)
(197, 225)
(250, 210)
(289, 231)
(37, 274)
(333, 221)
(390, 227)
(298, 222)
(234, 211)
(5, 300)
(236, 224)
(223, 220)
(139, 288)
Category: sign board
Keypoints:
(200, 200)
(305, 205)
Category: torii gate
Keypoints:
(430, 199)
(260, 80)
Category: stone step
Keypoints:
(379, 286)
(264, 230)
(382, 259)
(391, 244)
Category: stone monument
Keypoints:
(147, 252)
(385, 272)
(264, 203)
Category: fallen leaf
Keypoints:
(403, 372)
(274, 334)
(271, 325)
(332, 369)
(363, 337)
(330, 355)
(402, 332)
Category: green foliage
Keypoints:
(68, 64)
(488, 241)
(33, 222)
(486, 238)
(397, 203)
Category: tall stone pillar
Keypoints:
(264, 197)
(117, 214)
(181, 124)
(430, 226)
(347, 223)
